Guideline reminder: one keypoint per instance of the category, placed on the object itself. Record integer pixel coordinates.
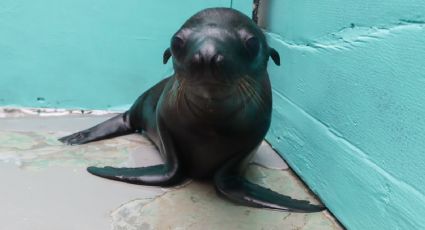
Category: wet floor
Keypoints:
(45, 184)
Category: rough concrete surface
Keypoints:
(45, 185)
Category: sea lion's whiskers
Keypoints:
(245, 91)
(180, 91)
(254, 96)
(241, 94)
(172, 94)
(260, 97)
(248, 92)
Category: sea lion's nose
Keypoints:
(208, 55)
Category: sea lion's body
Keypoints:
(209, 116)
(204, 144)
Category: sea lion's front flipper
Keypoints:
(113, 127)
(231, 184)
(157, 175)
(167, 174)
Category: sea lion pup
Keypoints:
(210, 116)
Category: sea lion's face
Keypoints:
(217, 51)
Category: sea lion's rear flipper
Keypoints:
(167, 174)
(232, 185)
(113, 127)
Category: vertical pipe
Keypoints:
(262, 13)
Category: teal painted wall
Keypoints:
(349, 105)
(87, 54)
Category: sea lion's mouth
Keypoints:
(221, 108)
(211, 91)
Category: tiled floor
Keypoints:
(45, 185)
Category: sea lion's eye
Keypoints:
(177, 44)
(252, 45)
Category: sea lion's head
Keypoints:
(219, 52)
(222, 42)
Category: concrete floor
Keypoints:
(45, 184)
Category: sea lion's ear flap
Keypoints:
(167, 55)
(275, 56)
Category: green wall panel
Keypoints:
(349, 105)
(245, 6)
(86, 53)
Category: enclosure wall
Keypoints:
(88, 54)
(349, 105)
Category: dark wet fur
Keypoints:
(209, 117)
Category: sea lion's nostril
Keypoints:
(200, 59)
(217, 60)
(207, 58)
(197, 59)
